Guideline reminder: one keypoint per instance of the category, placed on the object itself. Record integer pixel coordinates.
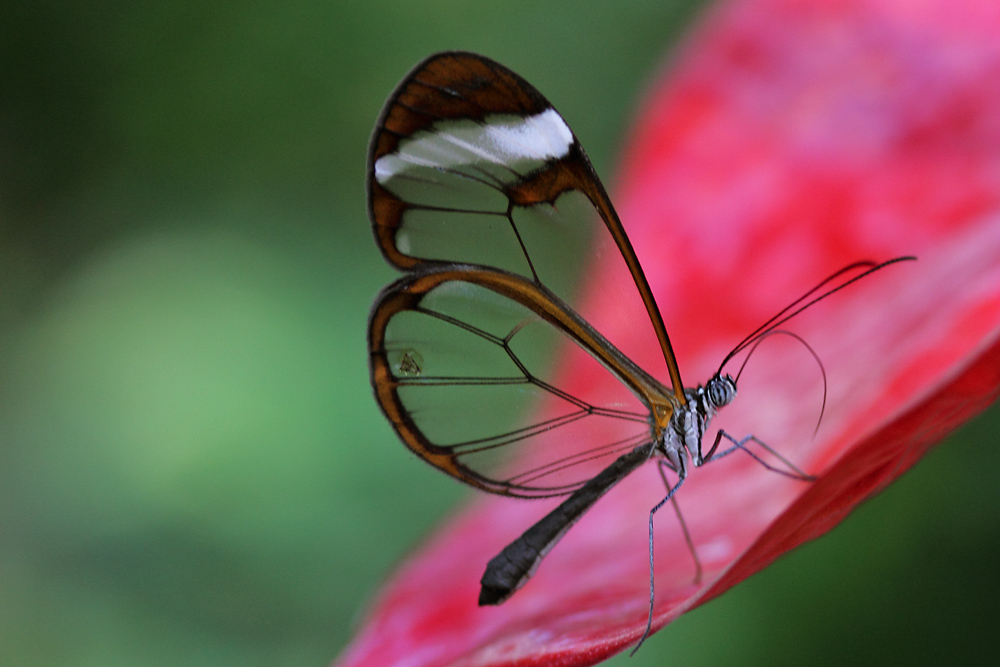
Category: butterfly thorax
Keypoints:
(684, 434)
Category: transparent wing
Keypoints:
(463, 366)
(470, 164)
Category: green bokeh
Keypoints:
(192, 469)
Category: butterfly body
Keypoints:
(687, 428)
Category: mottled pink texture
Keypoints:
(786, 139)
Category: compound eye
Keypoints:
(721, 390)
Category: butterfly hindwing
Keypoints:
(462, 363)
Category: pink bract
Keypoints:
(787, 139)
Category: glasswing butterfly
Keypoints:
(480, 192)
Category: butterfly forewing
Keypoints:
(470, 164)
(473, 173)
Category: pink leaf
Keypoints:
(788, 139)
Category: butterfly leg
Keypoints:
(649, 619)
(792, 470)
(663, 467)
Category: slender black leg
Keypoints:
(793, 471)
(680, 519)
(649, 618)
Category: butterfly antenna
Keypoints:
(819, 362)
(773, 321)
(808, 299)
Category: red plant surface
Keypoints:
(788, 139)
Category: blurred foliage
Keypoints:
(192, 469)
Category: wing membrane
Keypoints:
(463, 365)
(470, 164)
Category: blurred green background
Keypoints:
(192, 469)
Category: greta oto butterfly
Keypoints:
(481, 194)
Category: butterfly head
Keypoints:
(720, 390)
